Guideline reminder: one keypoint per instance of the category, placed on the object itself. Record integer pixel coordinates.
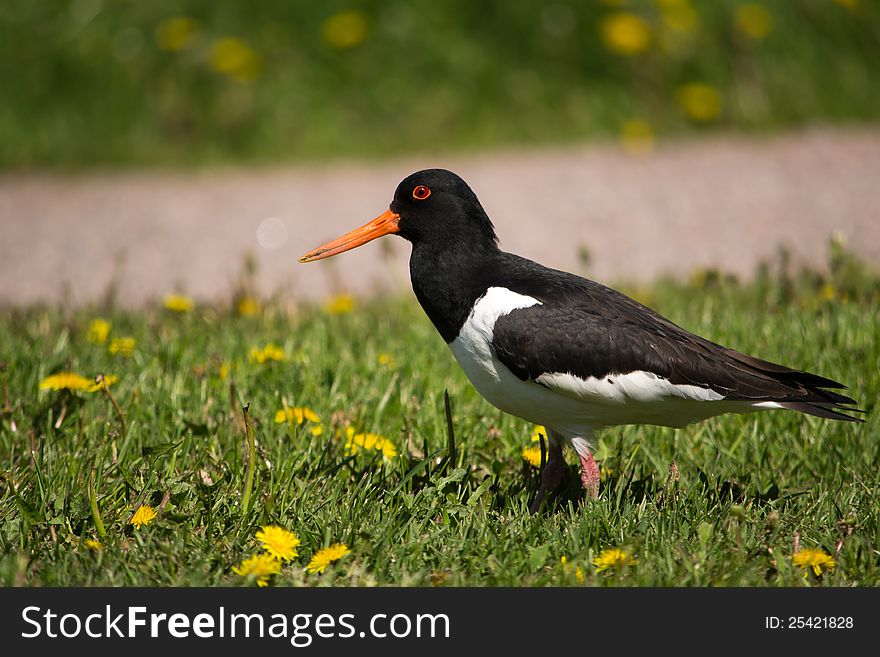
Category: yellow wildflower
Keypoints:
(386, 360)
(66, 381)
(827, 292)
(848, 4)
(178, 303)
(813, 559)
(754, 21)
(299, 415)
(105, 381)
(637, 137)
(92, 544)
(176, 34)
(701, 102)
(578, 573)
(270, 352)
(99, 329)
(122, 346)
(223, 370)
(261, 566)
(234, 58)
(355, 442)
(345, 29)
(143, 516)
(678, 15)
(532, 455)
(248, 307)
(278, 542)
(539, 430)
(625, 33)
(339, 304)
(324, 557)
(612, 558)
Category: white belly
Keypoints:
(571, 405)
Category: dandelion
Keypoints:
(248, 307)
(144, 515)
(356, 442)
(754, 21)
(122, 346)
(612, 558)
(532, 455)
(234, 58)
(93, 545)
(178, 303)
(99, 329)
(346, 29)
(298, 415)
(566, 568)
(324, 557)
(538, 431)
(66, 381)
(386, 360)
(339, 304)
(223, 370)
(176, 34)
(701, 102)
(678, 15)
(103, 381)
(827, 292)
(637, 137)
(625, 33)
(278, 542)
(261, 566)
(269, 353)
(813, 559)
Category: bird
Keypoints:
(563, 351)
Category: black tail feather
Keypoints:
(823, 409)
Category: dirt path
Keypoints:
(724, 202)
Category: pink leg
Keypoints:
(590, 475)
(551, 475)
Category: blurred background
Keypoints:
(151, 147)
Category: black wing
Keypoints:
(588, 330)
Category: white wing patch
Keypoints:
(638, 386)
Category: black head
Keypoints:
(433, 207)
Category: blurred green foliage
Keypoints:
(103, 82)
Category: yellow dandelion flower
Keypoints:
(701, 102)
(176, 33)
(324, 557)
(93, 545)
(813, 559)
(236, 59)
(223, 370)
(261, 566)
(578, 573)
(269, 353)
(532, 455)
(278, 542)
(625, 33)
(144, 515)
(678, 16)
(827, 292)
(356, 442)
(386, 360)
(106, 381)
(122, 346)
(346, 29)
(339, 304)
(299, 415)
(178, 303)
(248, 307)
(66, 381)
(99, 329)
(612, 558)
(637, 137)
(754, 21)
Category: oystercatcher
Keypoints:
(563, 351)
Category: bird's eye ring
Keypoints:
(421, 192)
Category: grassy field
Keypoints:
(748, 487)
(96, 83)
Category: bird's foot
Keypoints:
(551, 475)
(590, 475)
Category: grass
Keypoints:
(89, 84)
(747, 488)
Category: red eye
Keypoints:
(421, 192)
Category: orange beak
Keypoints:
(382, 225)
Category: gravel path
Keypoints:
(724, 202)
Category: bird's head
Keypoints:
(429, 206)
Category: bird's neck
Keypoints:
(448, 279)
